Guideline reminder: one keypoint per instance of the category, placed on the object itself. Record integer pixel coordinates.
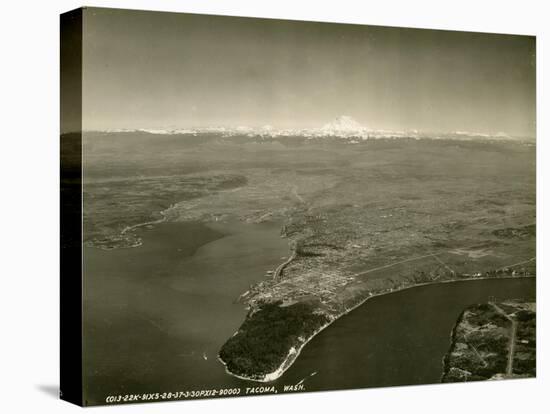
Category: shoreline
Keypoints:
(282, 266)
(148, 223)
(452, 342)
(292, 356)
(277, 272)
(131, 228)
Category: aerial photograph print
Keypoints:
(275, 206)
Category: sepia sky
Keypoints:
(155, 70)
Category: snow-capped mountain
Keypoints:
(344, 125)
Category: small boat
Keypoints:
(204, 356)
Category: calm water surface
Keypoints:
(156, 316)
(396, 339)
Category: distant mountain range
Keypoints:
(344, 127)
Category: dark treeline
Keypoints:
(266, 336)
